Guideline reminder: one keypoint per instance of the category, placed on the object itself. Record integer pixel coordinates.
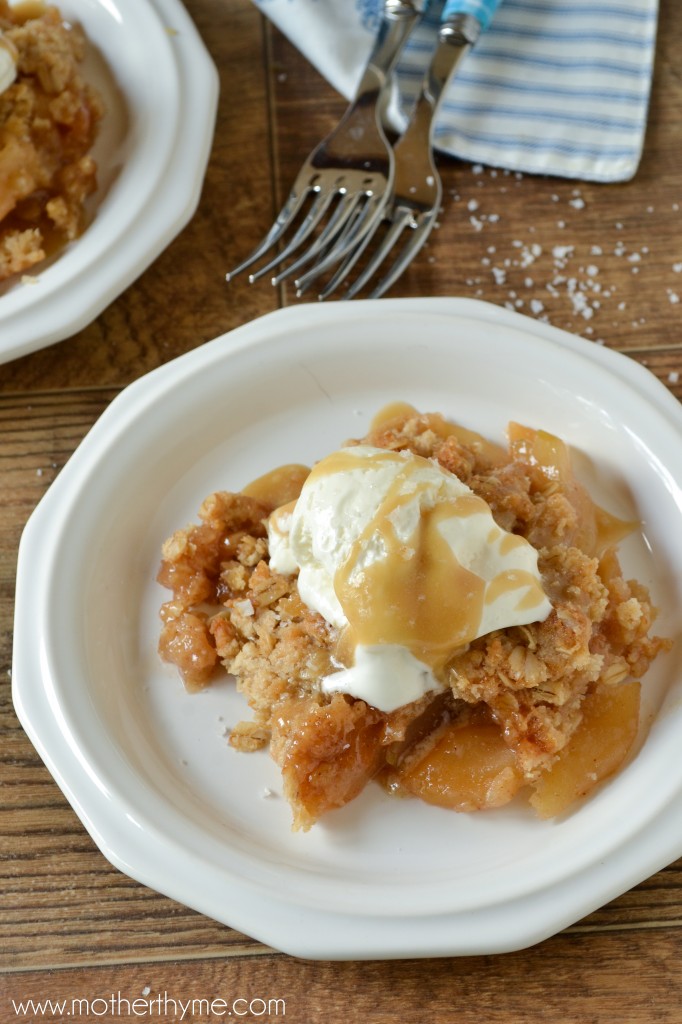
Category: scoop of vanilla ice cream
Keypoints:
(8, 63)
(400, 551)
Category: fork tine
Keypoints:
(312, 219)
(362, 225)
(406, 255)
(388, 241)
(344, 269)
(328, 236)
(280, 225)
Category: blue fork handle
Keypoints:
(482, 10)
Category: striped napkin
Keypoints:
(556, 87)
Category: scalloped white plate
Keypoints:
(147, 766)
(160, 88)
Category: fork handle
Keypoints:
(482, 10)
(397, 21)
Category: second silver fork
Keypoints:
(350, 173)
(417, 190)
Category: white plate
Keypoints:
(160, 89)
(147, 767)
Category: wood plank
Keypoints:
(575, 979)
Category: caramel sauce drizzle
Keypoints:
(418, 595)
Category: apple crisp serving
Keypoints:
(49, 116)
(547, 705)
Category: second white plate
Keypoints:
(160, 88)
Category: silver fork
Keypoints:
(349, 174)
(417, 190)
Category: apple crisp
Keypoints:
(49, 118)
(548, 708)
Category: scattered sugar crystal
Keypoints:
(477, 169)
(472, 205)
(596, 250)
(673, 296)
(577, 204)
(499, 274)
(634, 257)
(146, 990)
(677, 268)
(536, 306)
(673, 377)
(476, 223)
(493, 218)
(592, 271)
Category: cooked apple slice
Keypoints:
(470, 768)
(596, 750)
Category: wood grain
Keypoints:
(572, 979)
(71, 925)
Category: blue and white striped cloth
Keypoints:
(556, 87)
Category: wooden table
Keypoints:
(73, 926)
